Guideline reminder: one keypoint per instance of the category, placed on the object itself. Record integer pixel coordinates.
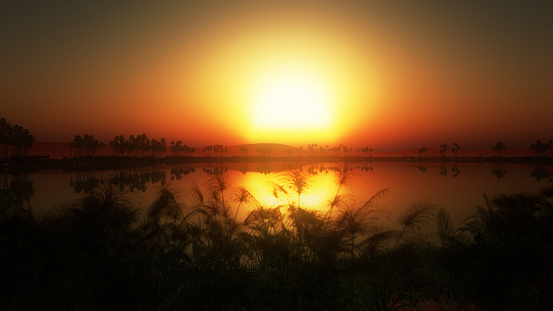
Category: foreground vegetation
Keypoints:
(191, 250)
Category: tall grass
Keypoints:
(190, 250)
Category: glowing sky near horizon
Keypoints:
(390, 75)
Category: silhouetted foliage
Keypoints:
(455, 149)
(498, 148)
(85, 146)
(192, 250)
(15, 141)
(422, 151)
(138, 146)
(540, 149)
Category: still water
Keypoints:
(459, 188)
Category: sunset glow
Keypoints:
(291, 100)
(290, 72)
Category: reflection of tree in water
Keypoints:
(244, 169)
(85, 181)
(179, 172)
(264, 168)
(313, 170)
(138, 180)
(15, 190)
(499, 172)
(216, 170)
(541, 172)
(443, 170)
(423, 168)
(456, 171)
(367, 168)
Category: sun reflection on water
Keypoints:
(321, 188)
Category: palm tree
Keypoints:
(540, 148)
(422, 151)
(497, 148)
(443, 149)
(455, 149)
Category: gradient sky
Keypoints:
(396, 74)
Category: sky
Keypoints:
(385, 74)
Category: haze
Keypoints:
(391, 75)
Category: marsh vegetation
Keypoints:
(191, 250)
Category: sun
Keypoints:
(291, 98)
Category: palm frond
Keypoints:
(418, 216)
(196, 194)
(377, 196)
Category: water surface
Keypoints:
(459, 188)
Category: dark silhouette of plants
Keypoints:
(417, 217)
(456, 171)
(180, 149)
(541, 172)
(138, 146)
(422, 151)
(298, 181)
(15, 141)
(346, 178)
(540, 149)
(449, 237)
(443, 149)
(512, 235)
(499, 172)
(498, 148)
(368, 151)
(455, 149)
(15, 191)
(189, 250)
(85, 146)
(357, 220)
(241, 195)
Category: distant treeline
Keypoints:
(15, 141)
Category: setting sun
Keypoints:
(291, 99)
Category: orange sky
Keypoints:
(391, 76)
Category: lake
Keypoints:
(459, 188)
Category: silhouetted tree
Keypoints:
(367, 151)
(455, 149)
(422, 151)
(15, 141)
(443, 149)
(498, 148)
(85, 146)
(540, 149)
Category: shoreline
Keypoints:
(45, 163)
